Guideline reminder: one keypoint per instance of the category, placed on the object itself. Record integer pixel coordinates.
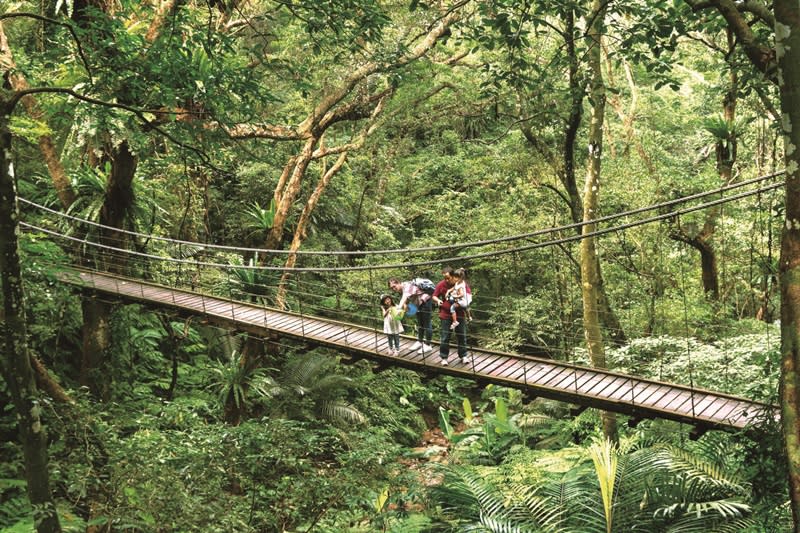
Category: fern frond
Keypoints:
(342, 411)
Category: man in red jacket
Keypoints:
(446, 320)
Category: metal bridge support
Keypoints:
(697, 432)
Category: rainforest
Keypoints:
(400, 266)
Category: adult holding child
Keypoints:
(412, 293)
(453, 319)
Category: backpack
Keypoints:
(425, 285)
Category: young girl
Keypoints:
(458, 296)
(392, 324)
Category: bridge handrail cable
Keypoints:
(496, 253)
(473, 244)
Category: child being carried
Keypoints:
(458, 296)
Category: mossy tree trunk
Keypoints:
(590, 265)
(16, 364)
(565, 165)
(787, 36)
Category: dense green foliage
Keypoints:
(204, 432)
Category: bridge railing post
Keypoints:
(375, 330)
(230, 296)
(575, 379)
(300, 308)
(525, 372)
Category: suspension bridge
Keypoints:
(178, 284)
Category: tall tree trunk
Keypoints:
(96, 372)
(787, 47)
(590, 271)
(725, 148)
(577, 90)
(608, 318)
(46, 145)
(288, 194)
(301, 230)
(16, 366)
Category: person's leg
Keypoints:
(426, 324)
(444, 339)
(454, 315)
(461, 339)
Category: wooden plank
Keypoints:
(752, 415)
(718, 406)
(516, 371)
(662, 392)
(146, 291)
(248, 315)
(285, 323)
(568, 383)
(682, 404)
(667, 399)
(706, 404)
(608, 386)
(730, 411)
(326, 331)
(501, 366)
(540, 371)
(585, 381)
(256, 317)
(486, 364)
(277, 321)
(624, 392)
(214, 306)
(643, 395)
(313, 330)
(479, 360)
(337, 334)
(600, 385)
(184, 300)
(555, 376)
(361, 340)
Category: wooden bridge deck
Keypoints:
(588, 387)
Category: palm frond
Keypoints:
(712, 475)
(302, 372)
(338, 410)
(479, 505)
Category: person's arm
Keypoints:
(406, 293)
(438, 292)
(397, 313)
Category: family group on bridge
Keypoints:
(453, 296)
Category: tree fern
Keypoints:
(309, 377)
(472, 503)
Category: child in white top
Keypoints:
(392, 325)
(458, 296)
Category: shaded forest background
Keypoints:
(291, 127)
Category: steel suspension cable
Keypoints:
(510, 238)
(384, 266)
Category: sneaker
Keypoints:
(416, 346)
(443, 362)
(466, 360)
(425, 348)
(395, 352)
